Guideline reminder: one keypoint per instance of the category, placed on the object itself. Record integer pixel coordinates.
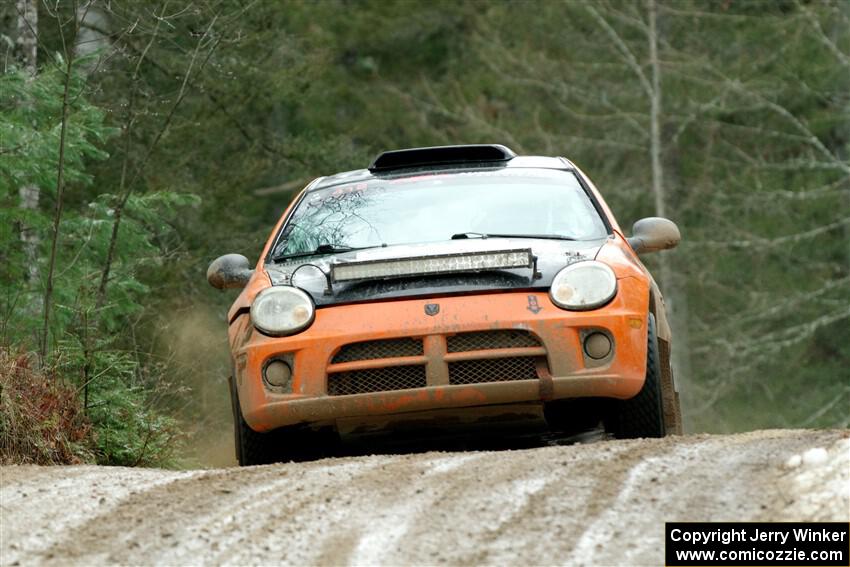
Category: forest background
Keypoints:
(139, 140)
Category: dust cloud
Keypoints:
(196, 340)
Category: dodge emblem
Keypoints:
(432, 308)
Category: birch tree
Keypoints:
(30, 193)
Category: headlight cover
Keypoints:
(282, 310)
(583, 286)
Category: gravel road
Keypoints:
(603, 503)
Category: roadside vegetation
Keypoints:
(140, 140)
(41, 420)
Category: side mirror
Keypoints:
(653, 234)
(229, 271)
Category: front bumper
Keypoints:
(563, 369)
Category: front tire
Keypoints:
(294, 443)
(643, 415)
(252, 448)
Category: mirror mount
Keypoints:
(653, 234)
(230, 271)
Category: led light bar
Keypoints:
(428, 265)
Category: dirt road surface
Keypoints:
(594, 504)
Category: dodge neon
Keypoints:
(447, 285)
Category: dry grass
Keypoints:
(41, 419)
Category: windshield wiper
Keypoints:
(322, 249)
(463, 235)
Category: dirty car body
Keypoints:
(454, 284)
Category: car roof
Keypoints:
(412, 168)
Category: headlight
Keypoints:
(583, 285)
(282, 310)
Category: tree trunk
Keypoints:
(92, 35)
(30, 194)
(655, 123)
(57, 215)
(27, 43)
(675, 299)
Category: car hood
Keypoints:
(552, 255)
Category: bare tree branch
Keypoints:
(628, 57)
(107, 266)
(842, 57)
(778, 241)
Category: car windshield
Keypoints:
(436, 207)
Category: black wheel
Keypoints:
(285, 444)
(252, 448)
(643, 415)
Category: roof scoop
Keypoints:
(441, 155)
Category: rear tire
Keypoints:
(643, 415)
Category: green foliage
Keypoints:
(31, 110)
(128, 427)
(129, 430)
(30, 121)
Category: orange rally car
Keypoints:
(447, 285)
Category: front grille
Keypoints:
(492, 370)
(372, 350)
(376, 380)
(488, 340)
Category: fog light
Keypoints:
(597, 345)
(279, 374)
